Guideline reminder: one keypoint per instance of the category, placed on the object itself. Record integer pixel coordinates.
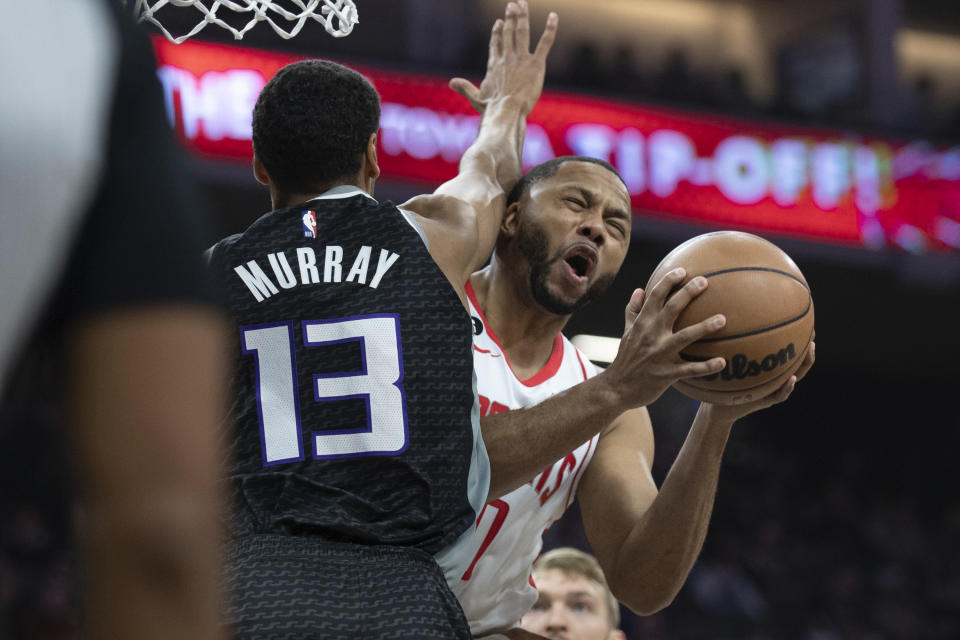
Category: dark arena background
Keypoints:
(830, 127)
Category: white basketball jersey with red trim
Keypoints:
(496, 589)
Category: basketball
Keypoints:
(769, 311)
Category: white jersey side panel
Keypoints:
(496, 590)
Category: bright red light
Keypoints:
(726, 172)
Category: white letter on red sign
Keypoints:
(741, 169)
(789, 170)
(831, 174)
(630, 160)
(592, 140)
(671, 160)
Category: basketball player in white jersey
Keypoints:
(563, 239)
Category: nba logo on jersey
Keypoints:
(309, 224)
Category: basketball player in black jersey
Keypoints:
(356, 454)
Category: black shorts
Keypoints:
(293, 588)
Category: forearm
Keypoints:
(468, 209)
(151, 571)
(146, 402)
(498, 148)
(661, 548)
(521, 443)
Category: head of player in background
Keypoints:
(574, 602)
(315, 126)
(567, 229)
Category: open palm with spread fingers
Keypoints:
(512, 71)
(649, 357)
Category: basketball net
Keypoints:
(337, 16)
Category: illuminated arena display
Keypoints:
(835, 186)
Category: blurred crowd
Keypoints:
(37, 570)
(676, 82)
(836, 538)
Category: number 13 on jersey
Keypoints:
(379, 383)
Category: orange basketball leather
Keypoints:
(768, 307)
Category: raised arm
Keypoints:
(647, 542)
(462, 217)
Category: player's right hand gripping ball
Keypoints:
(768, 307)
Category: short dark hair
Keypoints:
(312, 122)
(547, 170)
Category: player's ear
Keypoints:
(511, 220)
(370, 170)
(260, 171)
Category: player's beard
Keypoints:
(532, 241)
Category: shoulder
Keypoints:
(449, 228)
(439, 210)
(220, 248)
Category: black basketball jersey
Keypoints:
(354, 414)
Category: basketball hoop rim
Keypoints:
(338, 17)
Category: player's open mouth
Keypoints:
(581, 259)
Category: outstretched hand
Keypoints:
(512, 71)
(649, 357)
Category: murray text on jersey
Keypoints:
(308, 268)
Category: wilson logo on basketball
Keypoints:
(740, 367)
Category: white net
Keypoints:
(286, 17)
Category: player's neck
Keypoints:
(525, 330)
(282, 200)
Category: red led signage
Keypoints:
(836, 186)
